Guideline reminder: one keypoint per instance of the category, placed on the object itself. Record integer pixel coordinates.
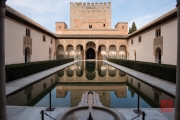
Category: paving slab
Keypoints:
(152, 114)
(22, 82)
(154, 81)
(33, 113)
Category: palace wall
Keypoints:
(15, 43)
(146, 49)
(169, 33)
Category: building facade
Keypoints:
(90, 37)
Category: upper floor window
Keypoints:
(158, 32)
(131, 41)
(104, 25)
(90, 26)
(44, 38)
(28, 32)
(51, 41)
(59, 27)
(139, 38)
(122, 27)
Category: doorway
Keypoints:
(158, 56)
(90, 54)
(27, 55)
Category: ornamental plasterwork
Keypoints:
(27, 42)
(158, 43)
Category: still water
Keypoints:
(116, 89)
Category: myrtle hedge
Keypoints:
(16, 71)
(163, 71)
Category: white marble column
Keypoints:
(177, 101)
(3, 113)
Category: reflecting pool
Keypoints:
(116, 89)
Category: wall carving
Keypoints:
(158, 43)
(27, 42)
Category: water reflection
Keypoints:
(70, 71)
(80, 70)
(117, 89)
(91, 72)
(104, 92)
(60, 73)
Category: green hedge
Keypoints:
(163, 71)
(16, 71)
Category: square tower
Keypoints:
(122, 27)
(60, 26)
(90, 15)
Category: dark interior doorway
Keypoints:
(27, 55)
(158, 55)
(90, 54)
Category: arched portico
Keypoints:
(102, 52)
(103, 48)
(90, 50)
(122, 54)
(60, 54)
(112, 52)
(90, 53)
(79, 53)
(69, 51)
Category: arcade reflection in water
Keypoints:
(117, 89)
(91, 72)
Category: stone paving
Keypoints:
(33, 113)
(154, 81)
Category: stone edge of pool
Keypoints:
(18, 84)
(163, 85)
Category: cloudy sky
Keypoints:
(47, 12)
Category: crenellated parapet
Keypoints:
(80, 4)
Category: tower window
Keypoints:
(122, 27)
(59, 27)
(90, 26)
(104, 25)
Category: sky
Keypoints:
(47, 12)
